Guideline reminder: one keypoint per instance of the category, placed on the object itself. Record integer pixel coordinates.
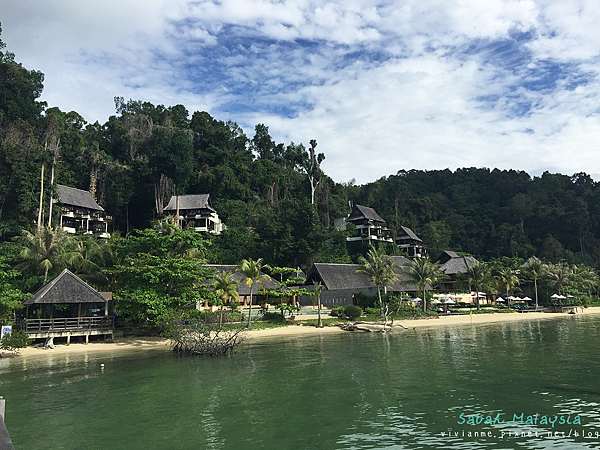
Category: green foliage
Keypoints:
(274, 197)
(426, 275)
(14, 341)
(152, 285)
(365, 301)
(353, 312)
(11, 298)
(46, 251)
(337, 311)
(273, 317)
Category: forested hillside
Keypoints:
(275, 199)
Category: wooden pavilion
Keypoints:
(65, 307)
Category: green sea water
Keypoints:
(404, 390)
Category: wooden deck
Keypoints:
(71, 326)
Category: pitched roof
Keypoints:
(243, 288)
(457, 264)
(405, 232)
(76, 197)
(195, 201)
(364, 212)
(344, 276)
(339, 276)
(66, 287)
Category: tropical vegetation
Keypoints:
(278, 203)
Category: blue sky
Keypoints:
(382, 86)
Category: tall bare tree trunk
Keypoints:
(162, 191)
(177, 211)
(39, 222)
(51, 184)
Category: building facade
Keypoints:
(410, 243)
(195, 211)
(370, 227)
(79, 212)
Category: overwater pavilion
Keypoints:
(65, 307)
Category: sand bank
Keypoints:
(145, 343)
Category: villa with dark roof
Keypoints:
(67, 306)
(195, 211)
(410, 242)
(79, 212)
(453, 264)
(342, 282)
(370, 227)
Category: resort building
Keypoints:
(452, 264)
(342, 282)
(369, 226)
(79, 212)
(410, 243)
(66, 306)
(195, 211)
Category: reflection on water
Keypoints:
(405, 390)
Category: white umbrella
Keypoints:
(436, 301)
(500, 299)
(438, 295)
(555, 296)
(450, 302)
(526, 299)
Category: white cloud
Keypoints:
(422, 84)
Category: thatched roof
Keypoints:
(66, 287)
(344, 276)
(196, 201)
(405, 233)
(452, 263)
(364, 212)
(76, 197)
(338, 276)
(243, 288)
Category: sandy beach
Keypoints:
(145, 343)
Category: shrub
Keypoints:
(364, 301)
(353, 311)
(374, 311)
(15, 341)
(337, 311)
(273, 317)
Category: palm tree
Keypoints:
(508, 279)
(425, 273)
(316, 296)
(477, 274)
(585, 277)
(91, 258)
(559, 275)
(252, 270)
(226, 288)
(47, 250)
(379, 268)
(535, 269)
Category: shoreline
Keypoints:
(149, 343)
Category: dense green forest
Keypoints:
(277, 202)
(275, 199)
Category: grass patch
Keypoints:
(327, 322)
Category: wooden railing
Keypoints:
(68, 324)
